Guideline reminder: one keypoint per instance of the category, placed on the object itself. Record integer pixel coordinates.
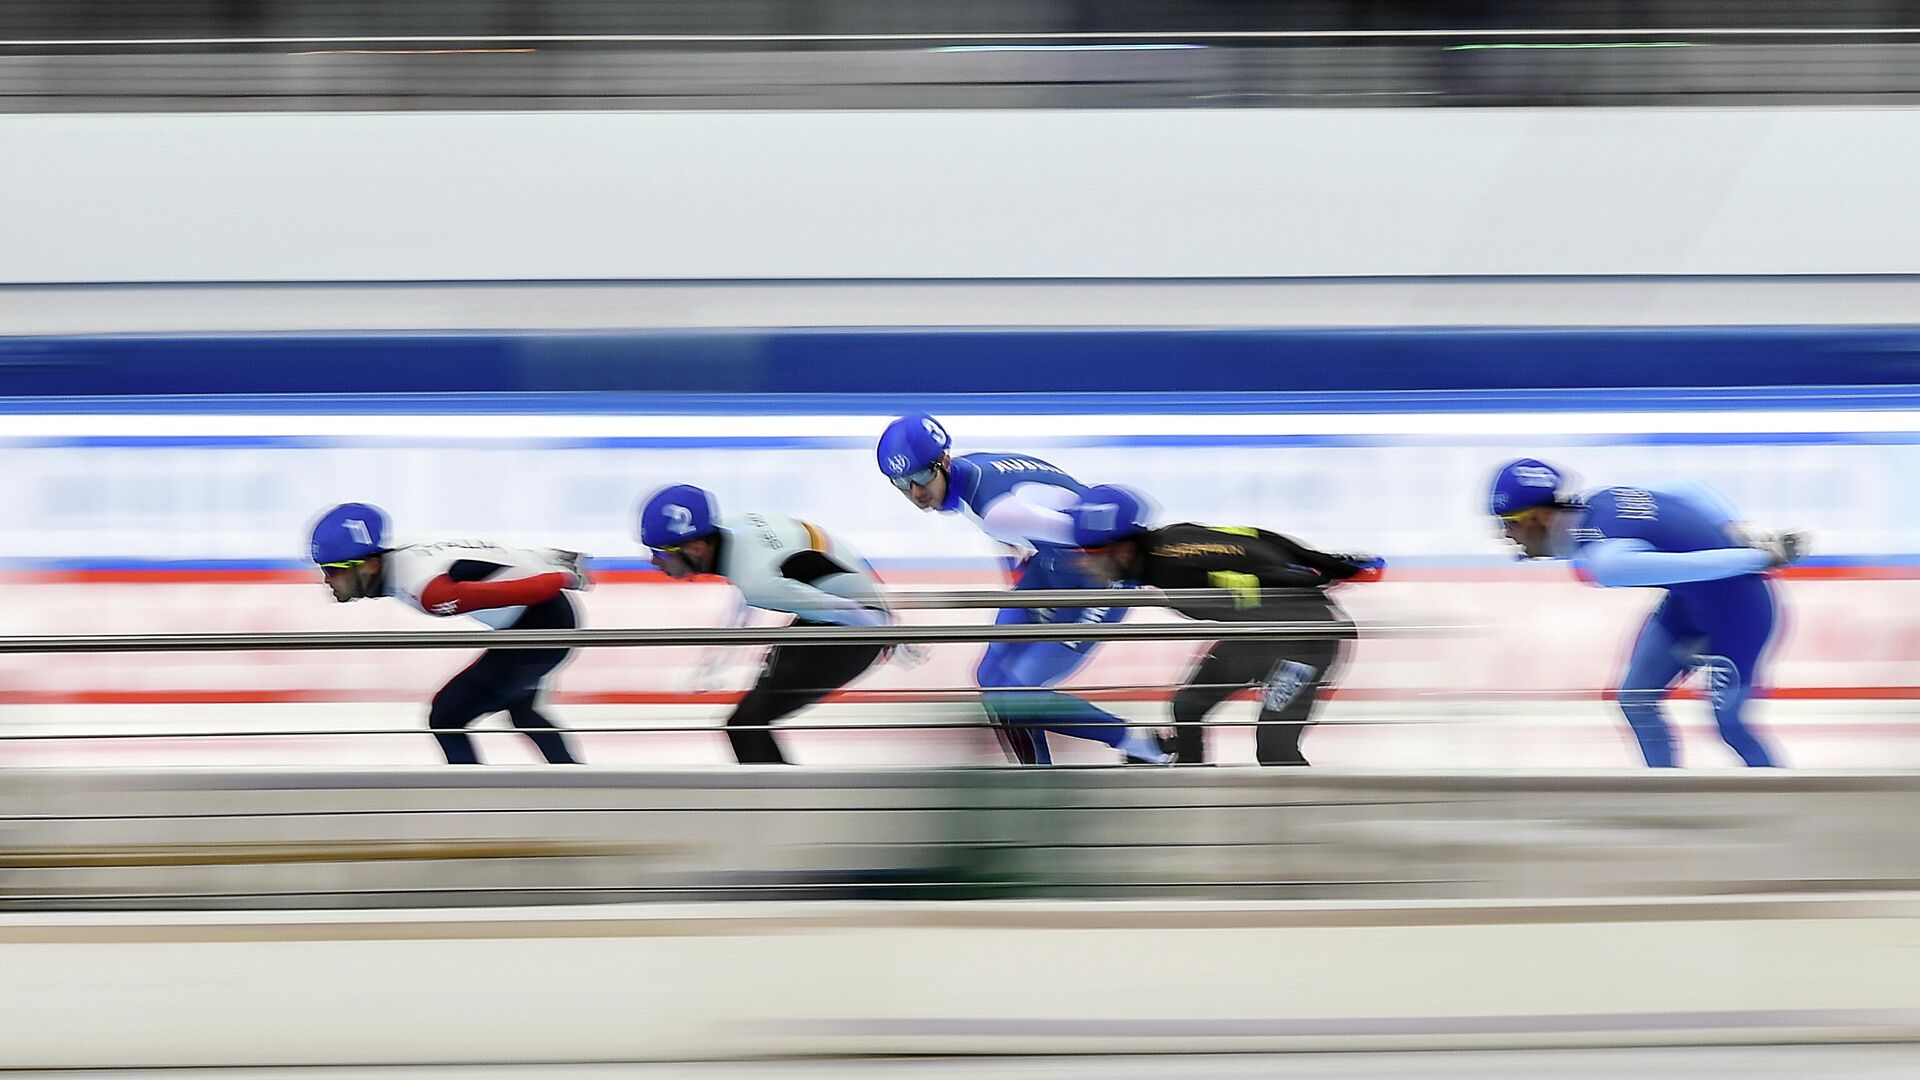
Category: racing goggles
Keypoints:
(1519, 515)
(920, 477)
(328, 569)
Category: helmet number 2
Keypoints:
(679, 519)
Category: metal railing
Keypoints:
(799, 635)
(1171, 34)
(1192, 630)
(212, 838)
(1277, 631)
(205, 839)
(1182, 64)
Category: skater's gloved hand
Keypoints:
(574, 563)
(1783, 547)
(1365, 567)
(907, 654)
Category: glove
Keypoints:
(1782, 548)
(1365, 567)
(709, 675)
(572, 562)
(907, 654)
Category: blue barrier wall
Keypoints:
(838, 362)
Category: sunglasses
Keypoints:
(330, 567)
(921, 478)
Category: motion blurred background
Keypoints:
(839, 54)
(503, 266)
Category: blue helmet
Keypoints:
(676, 514)
(1522, 485)
(349, 532)
(910, 444)
(1107, 513)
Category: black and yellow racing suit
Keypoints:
(1268, 577)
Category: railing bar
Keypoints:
(655, 636)
(868, 808)
(914, 600)
(985, 37)
(798, 886)
(777, 727)
(901, 695)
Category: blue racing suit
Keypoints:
(1021, 501)
(1717, 616)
